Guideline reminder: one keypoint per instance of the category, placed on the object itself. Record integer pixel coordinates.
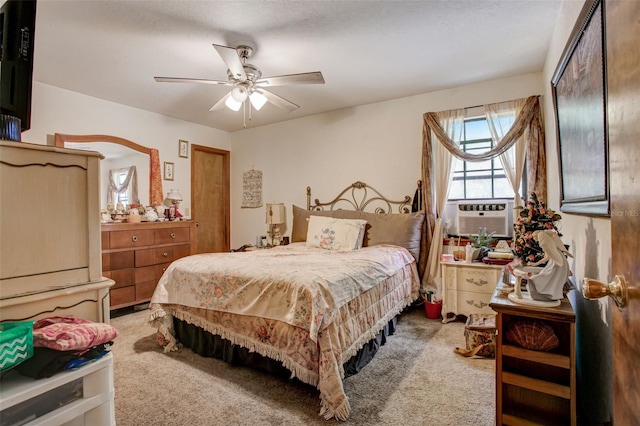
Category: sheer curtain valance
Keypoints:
(525, 135)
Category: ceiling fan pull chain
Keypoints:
(244, 114)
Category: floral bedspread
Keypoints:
(311, 309)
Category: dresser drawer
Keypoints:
(119, 260)
(105, 240)
(122, 296)
(144, 291)
(150, 273)
(130, 239)
(154, 256)
(172, 235)
(122, 277)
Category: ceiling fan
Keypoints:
(247, 81)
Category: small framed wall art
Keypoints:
(183, 149)
(168, 171)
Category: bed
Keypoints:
(318, 310)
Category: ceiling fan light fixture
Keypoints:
(257, 100)
(239, 94)
(232, 104)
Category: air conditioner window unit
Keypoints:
(469, 216)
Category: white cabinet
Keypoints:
(80, 397)
(50, 260)
(467, 288)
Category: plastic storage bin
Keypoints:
(16, 343)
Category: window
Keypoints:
(120, 178)
(123, 186)
(484, 179)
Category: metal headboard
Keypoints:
(359, 200)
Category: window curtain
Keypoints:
(437, 173)
(526, 132)
(129, 185)
(156, 198)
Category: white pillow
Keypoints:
(335, 234)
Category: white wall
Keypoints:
(379, 144)
(590, 242)
(576, 228)
(56, 110)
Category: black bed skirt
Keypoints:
(206, 344)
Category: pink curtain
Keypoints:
(155, 178)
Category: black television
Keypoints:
(17, 30)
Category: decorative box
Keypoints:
(480, 329)
(16, 343)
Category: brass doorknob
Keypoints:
(617, 289)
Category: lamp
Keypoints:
(257, 100)
(275, 217)
(174, 197)
(236, 98)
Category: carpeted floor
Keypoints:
(415, 379)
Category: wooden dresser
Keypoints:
(535, 387)
(135, 255)
(467, 288)
(50, 234)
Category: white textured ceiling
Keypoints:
(368, 51)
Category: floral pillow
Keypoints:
(335, 234)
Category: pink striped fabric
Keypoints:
(67, 333)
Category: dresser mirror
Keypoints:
(118, 153)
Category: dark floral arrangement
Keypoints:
(534, 216)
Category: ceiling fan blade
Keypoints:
(230, 57)
(220, 104)
(278, 101)
(191, 80)
(302, 78)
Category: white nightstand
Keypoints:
(467, 288)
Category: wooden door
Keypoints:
(623, 68)
(210, 198)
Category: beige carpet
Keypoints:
(415, 379)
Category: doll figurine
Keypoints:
(548, 283)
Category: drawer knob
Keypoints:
(173, 235)
(134, 238)
(165, 254)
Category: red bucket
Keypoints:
(433, 309)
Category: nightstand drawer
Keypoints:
(470, 302)
(467, 288)
(476, 279)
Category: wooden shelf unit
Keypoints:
(535, 387)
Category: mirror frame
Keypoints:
(60, 139)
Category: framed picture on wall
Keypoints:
(183, 149)
(578, 88)
(168, 171)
